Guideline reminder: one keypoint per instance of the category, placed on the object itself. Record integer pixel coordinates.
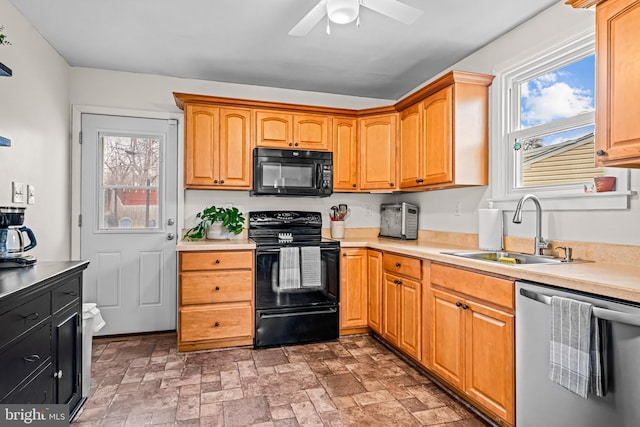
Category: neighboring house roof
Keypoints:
(530, 157)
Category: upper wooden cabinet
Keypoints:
(345, 154)
(217, 147)
(285, 130)
(378, 152)
(444, 133)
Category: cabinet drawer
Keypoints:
(65, 294)
(223, 286)
(396, 264)
(199, 324)
(215, 260)
(24, 317)
(23, 358)
(492, 289)
(38, 391)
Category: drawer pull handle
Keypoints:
(72, 293)
(397, 264)
(216, 324)
(458, 304)
(217, 261)
(32, 316)
(58, 374)
(217, 288)
(32, 358)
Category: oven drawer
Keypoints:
(398, 264)
(295, 326)
(224, 286)
(213, 323)
(216, 260)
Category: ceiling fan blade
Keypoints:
(394, 9)
(310, 20)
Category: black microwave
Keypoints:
(292, 173)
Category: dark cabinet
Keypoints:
(41, 334)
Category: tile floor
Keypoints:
(356, 381)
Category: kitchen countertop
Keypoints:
(13, 280)
(607, 279)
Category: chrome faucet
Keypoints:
(541, 244)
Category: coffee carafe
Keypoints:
(15, 239)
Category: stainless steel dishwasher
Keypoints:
(540, 402)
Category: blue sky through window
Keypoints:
(564, 92)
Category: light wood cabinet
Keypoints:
(472, 336)
(443, 139)
(345, 154)
(353, 290)
(617, 83)
(374, 279)
(217, 147)
(288, 130)
(402, 290)
(215, 297)
(378, 152)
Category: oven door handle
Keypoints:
(296, 313)
(259, 251)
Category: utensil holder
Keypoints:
(337, 229)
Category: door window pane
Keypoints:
(130, 182)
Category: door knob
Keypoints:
(58, 374)
(171, 221)
(171, 236)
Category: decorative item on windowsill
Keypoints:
(216, 223)
(604, 183)
(4, 70)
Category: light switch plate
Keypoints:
(31, 194)
(18, 192)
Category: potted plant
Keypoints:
(216, 223)
(3, 37)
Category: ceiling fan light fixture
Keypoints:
(343, 11)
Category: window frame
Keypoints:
(505, 99)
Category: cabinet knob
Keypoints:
(32, 358)
(58, 374)
(217, 261)
(344, 254)
(391, 184)
(215, 325)
(353, 185)
(222, 181)
(296, 144)
(601, 152)
(458, 304)
(215, 181)
(291, 144)
(419, 180)
(465, 306)
(397, 282)
(397, 265)
(217, 288)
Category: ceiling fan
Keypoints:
(346, 11)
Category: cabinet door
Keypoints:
(353, 289)
(490, 359)
(409, 312)
(378, 153)
(68, 357)
(437, 135)
(447, 337)
(345, 155)
(311, 132)
(274, 129)
(391, 297)
(234, 157)
(411, 147)
(201, 130)
(374, 268)
(617, 83)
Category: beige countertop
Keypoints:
(612, 280)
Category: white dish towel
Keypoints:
(289, 268)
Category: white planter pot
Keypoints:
(216, 231)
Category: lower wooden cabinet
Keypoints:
(215, 299)
(374, 279)
(353, 290)
(472, 337)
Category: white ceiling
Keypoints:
(246, 41)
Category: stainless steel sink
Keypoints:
(507, 257)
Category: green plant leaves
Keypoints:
(231, 218)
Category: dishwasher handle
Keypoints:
(600, 313)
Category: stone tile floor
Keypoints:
(355, 381)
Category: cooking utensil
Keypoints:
(334, 213)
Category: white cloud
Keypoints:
(550, 100)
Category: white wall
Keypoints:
(438, 207)
(34, 114)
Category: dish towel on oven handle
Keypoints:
(576, 347)
(311, 275)
(289, 268)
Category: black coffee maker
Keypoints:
(15, 239)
